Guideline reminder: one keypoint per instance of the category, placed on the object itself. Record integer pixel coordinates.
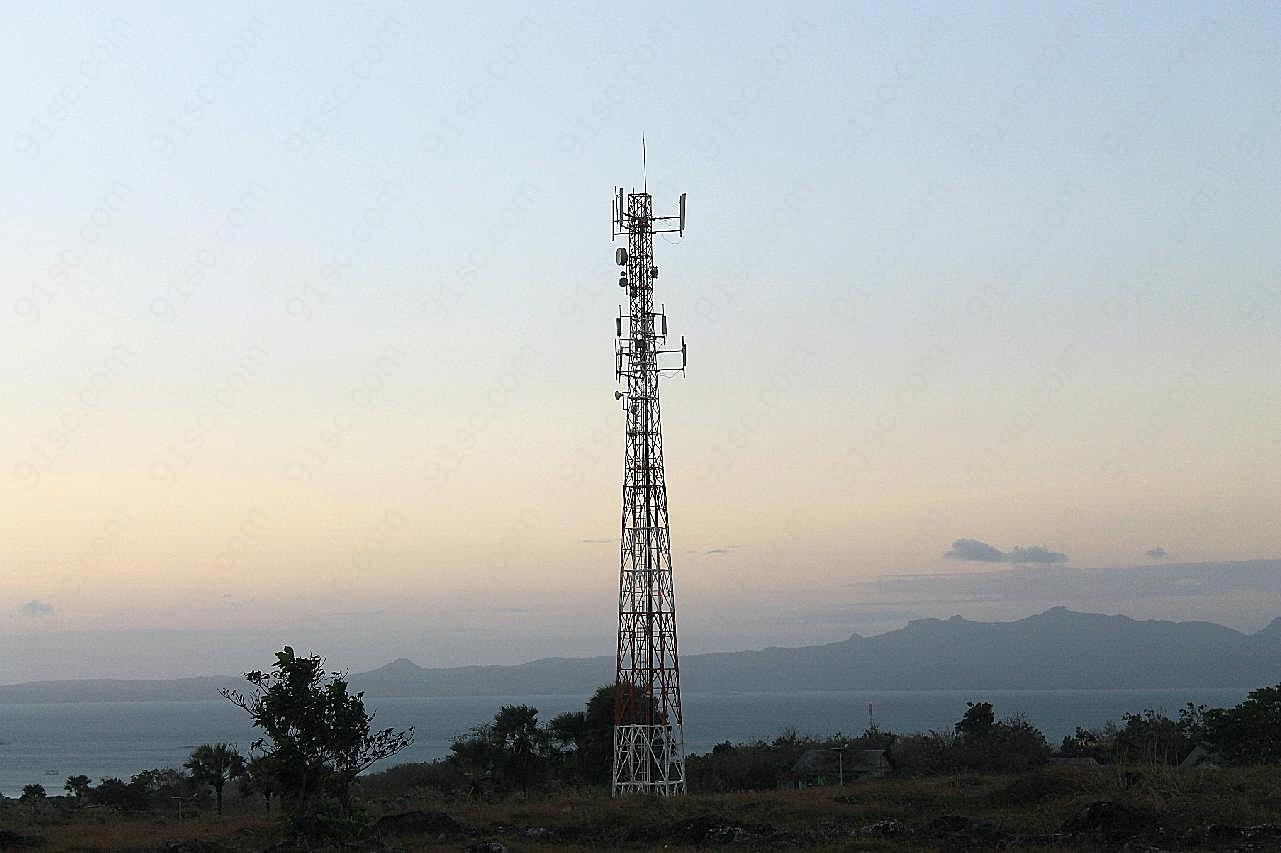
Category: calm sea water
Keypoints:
(46, 743)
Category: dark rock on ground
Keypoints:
(948, 823)
(960, 833)
(191, 845)
(1048, 839)
(710, 829)
(884, 829)
(10, 840)
(1109, 822)
(417, 821)
(1261, 837)
(559, 833)
(714, 830)
(727, 834)
(486, 847)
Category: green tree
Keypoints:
(77, 786)
(1250, 733)
(874, 737)
(523, 744)
(586, 738)
(477, 759)
(983, 743)
(1152, 738)
(1083, 743)
(215, 764)
(317, 738)
(1015, 745)
(566, 730)
(511, 750)
(977, 721)
(118, 794)
(33, 793)
(1192, 721)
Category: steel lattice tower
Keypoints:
(649, 753)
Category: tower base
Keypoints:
(649, 760)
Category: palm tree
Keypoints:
(215, 764)
(516, 732)
(260, 778)
(77, 786)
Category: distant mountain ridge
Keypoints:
(1058, 649)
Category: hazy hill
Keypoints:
(1057, 649)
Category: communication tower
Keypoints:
(649, 751)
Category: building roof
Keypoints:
(1203, 757)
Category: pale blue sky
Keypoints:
(1054, 225)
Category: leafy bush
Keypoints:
(1089, 743)
(922, 754)
(1149, 738)
(124, 796)
(978, 742)
(756, 766)
(438, 777)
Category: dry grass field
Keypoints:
(1057, 808)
